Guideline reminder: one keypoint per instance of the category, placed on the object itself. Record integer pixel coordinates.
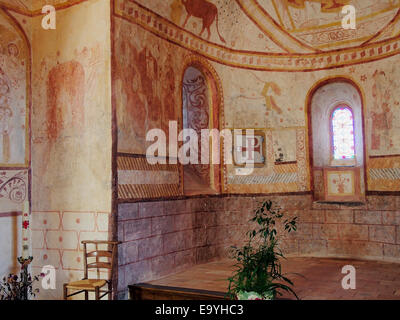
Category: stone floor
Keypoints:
(321, 278)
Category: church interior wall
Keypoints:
(72, 87)
(72, 137)
(275, 103)
(70, 131)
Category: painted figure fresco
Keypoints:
(147, 78)
(204, 10)
(65, 98)
(270, 89)
(5, 116)
(383, 118)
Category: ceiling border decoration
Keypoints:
(133, 12)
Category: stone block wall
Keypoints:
(369, 231)
(160, 238)
(165, 237)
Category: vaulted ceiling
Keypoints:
(292, 25)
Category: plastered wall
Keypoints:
(71, 135)
(139, 57)
(14, 137)
(62, 79)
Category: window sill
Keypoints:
(343, 163)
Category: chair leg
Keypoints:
(86, 295)
(97, 293)
(109, 291)
(65, 292)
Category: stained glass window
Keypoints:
(343, 133)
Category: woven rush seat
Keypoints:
(88, 284)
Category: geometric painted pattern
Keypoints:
(138, 179)
(56, 241)
(385, 174)
(273, 178)
(130, 191)
(141, 163)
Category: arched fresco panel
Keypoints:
(13, 96)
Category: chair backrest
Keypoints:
(108, 254)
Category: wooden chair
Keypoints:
(87, 285)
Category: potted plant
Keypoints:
(258, 274)
(16, 287)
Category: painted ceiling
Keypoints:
(22, 5)
(318, 23)
(290, 25)
(281, 35)
(274, 35)
(34, 7)
(294, 26)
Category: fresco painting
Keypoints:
(318, 22)
(342, 184)
(13, 97)
(206, 11)
(240, 64)
(385, 114)
(145, 77)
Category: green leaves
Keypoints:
(258, 268)
(19, 288)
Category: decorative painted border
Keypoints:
(10, 214)
(138, 163)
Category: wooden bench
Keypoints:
(145, 291)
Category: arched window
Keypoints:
(342, 129)
(337, 141)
